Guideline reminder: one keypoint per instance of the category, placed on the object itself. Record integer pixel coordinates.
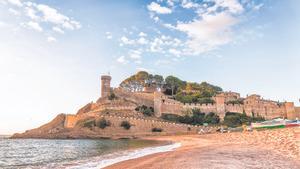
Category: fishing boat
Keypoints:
(275, 123)
(270, 124)
(292, 123)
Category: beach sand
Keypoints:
(278, 148)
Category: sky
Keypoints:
(53, 52)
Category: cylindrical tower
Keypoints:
(105, 85)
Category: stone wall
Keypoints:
(297, 110)
(253, 105)
(139, 126)
(137, 97)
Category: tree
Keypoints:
(174, 83)
(211, 118)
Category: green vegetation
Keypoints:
(89, 123)
(102, 123)
(126, 125)
(157, 129)
(239, 101)
(198, 93)
(142, 79)
(147, 111)
(112, 96)
(173, 85)
(185, 92)
(195, 117)
(237, 119)
(211, 118)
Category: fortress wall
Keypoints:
(238, 108)
(144, 127)
(205, 108)
(290, 110)
(297, 110)
(172, 108)
(139, 126)
(138, 97)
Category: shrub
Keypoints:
(170, 117)
(112, 96)
(211, 118)
(89, 123)
(157, 129)
(147, 111)
(126, 125)
(103, 123)
(232, 120)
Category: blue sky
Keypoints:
(53, 52)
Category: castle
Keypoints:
(252, 105)
(118, 105)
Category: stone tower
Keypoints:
(220, 105)
(105, 85)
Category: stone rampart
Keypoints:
(136, 97)
(139, 126)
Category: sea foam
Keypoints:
(111, 159)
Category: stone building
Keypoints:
(252, 105)
(105, 85)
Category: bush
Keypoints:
(147, 111)
(89, 123)
(196, 118)
(103, 123)
(211, 118)
(126, 125)
(112, 96)
(170, 117)
(233, 119)
(157, 129)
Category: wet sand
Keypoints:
(278, 148)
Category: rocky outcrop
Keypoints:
(49, 130)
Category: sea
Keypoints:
(74, 154)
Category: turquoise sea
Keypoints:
(74, 154)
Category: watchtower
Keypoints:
(105, 85)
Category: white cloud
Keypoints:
(233, 5)
(122, 60)
(155, 7)
(13, 11)
(175, 52)
(51, 39)
(257, 7)
(126, 41)
(58, 30)
(170, 26)
(142, 41)
(108, 35)
(142, 34)
(35, 26)
(31, 13)
(208, 33)
(53, 16)
(15, 2)
(135, 54)
(189, 4)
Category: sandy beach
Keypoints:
(278, 148)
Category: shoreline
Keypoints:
(278, 148)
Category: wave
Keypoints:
(110, 159)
